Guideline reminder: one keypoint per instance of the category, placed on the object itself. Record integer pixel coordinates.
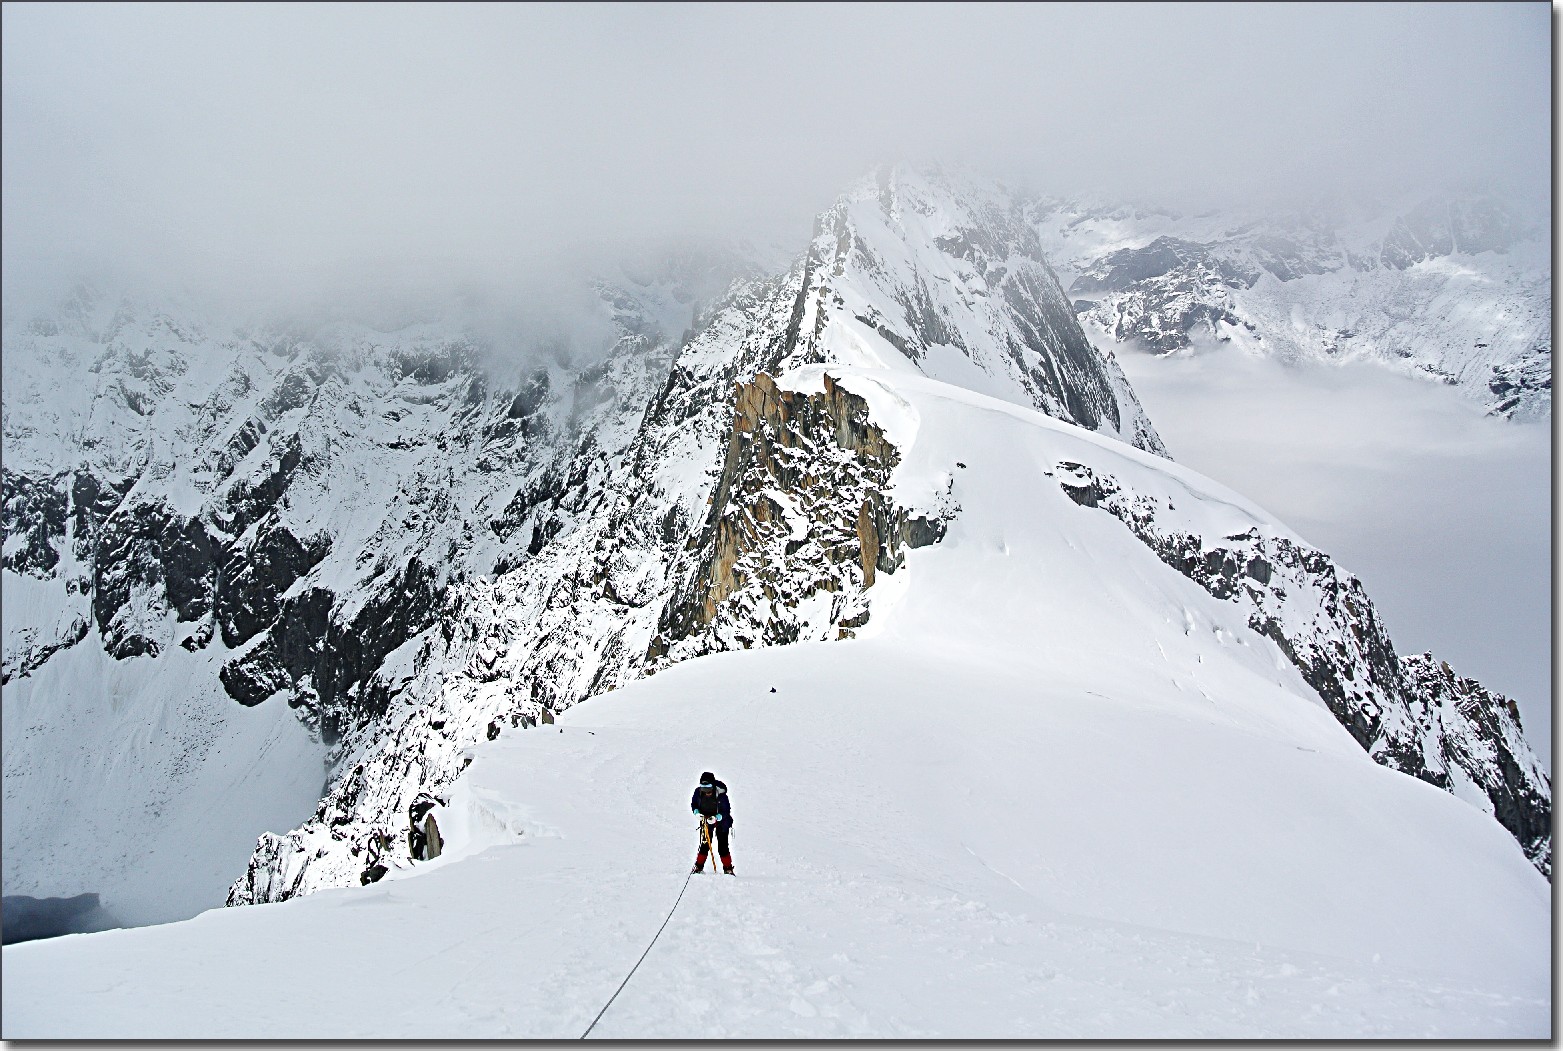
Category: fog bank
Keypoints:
(293, 146)
(1443, 513)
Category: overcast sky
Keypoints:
(255, 142)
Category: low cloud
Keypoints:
(1443, 513)
(285, 148)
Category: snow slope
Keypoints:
(155, 782)
(994, 813)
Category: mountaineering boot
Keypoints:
(727, 865)
(700, 862)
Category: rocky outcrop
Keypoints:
(423, 831)
(34, 521)
(27, 649)
(1165, 292)
(799, 526)
(1479, 737)
(1412, 715)
(1524, 382)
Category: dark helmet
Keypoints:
(708, 780)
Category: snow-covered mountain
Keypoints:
(1052, 788)
(269, 555)
(1457, 285)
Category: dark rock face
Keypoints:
(1127, 267)
(1479, 730)
(249, 499)
(1413, 715)
(255, 575)
(327, 660)
(35, 514)
(188, 555)
(528, 400)
(253, 676)
(120, 567)
(1514, 383)
(1170, 288)
(145, 560)
(351, 695)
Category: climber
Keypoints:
(710, 806)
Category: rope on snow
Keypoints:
(642, 959)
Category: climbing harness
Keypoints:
(654, 938)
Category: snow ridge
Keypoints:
(624, 587)
(1413, 715)
(367, 527)
(941, 275)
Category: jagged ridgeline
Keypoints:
(368, 529)
(1456, 286)
(1411, 714)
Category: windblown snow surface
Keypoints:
(1052, 790)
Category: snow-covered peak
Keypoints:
(940, 275)
(1454, 285)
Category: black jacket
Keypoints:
(714, 803)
